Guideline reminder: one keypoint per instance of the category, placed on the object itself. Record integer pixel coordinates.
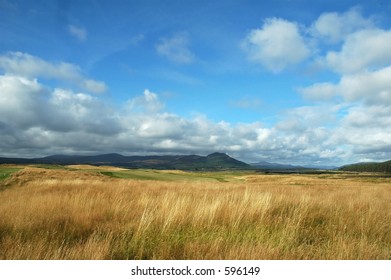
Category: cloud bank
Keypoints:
(37, 119)
(52, 107)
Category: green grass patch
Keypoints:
(5, 172)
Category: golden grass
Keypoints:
(62, 214)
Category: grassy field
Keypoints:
(6, 171)
(87, 212)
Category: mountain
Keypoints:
(384, 167)
(215, 161)
(221, 160)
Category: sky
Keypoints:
(299, 82)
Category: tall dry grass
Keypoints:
(59, 214)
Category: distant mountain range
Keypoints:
(264, 165)
(275, 166)
(215, 161)
(384, 167)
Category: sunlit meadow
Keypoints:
(80, 213)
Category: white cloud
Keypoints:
(363, 50)
(26, 65)
(362, 126)
(38, 119)
(334, 27)
(176, 49)
(27, 104)
(367, 129)
(369, 87)
(93, 86)
(277, 45)
(148, 103)
(20, 101)
(80, 33)
(319, 91)
(59, 120)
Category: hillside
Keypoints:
(384, 167)
(215, 161)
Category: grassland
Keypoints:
(86, 212)
(7, 170)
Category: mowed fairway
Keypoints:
(86, 212)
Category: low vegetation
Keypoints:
(5, 172)
(86, 212)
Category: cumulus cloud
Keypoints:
(306, 133)
(367, 129)
(363, 50)
(176, 49)
(277, 45)
(363, 124)
(319, 91)
(334, 27)
(147, 103)
(92, 85)
(369, 87)
(359, 44)
(80, 33)
(36, 119)
(64, 116)
(39, 119)
(20, 101)
(60, 120)
(361, 58)
(351, 117)
(26, 104)
(26, 65)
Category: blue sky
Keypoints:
(301, 82)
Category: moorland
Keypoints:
(91, 212)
